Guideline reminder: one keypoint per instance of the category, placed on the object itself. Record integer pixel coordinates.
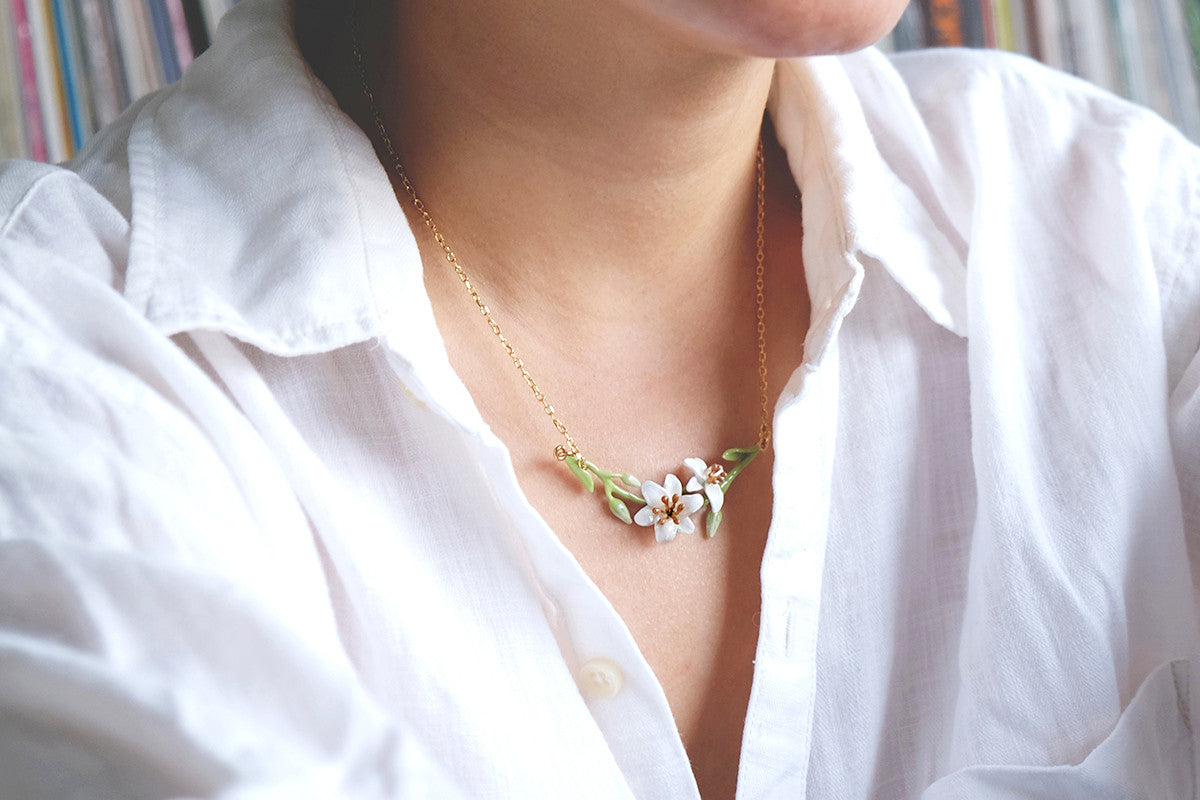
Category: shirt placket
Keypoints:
(777, 737)
(614, 679)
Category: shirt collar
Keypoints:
(261, 210)
(856, 207)
(258, 207)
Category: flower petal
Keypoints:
(644, 517)
(653, 493)
(694, 485)
(672, 485)
(686, 525)
(697, 466)
(716, 497)
(665, 530)
(691, 504)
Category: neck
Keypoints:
(564, 146)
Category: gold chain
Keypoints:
(571, 448)
(764, 424)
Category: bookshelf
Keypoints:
(68, 67)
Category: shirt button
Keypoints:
(600, 679)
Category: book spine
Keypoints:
(164, 40)
(1021, 27)
(213, 11)
(1091, 34)
(1047, 32)
(35, 129)
(1121, 52)
(179, 33)
(49, 81)
(1129, 46)
(1191, 11)
(137, 48)
(146, 43)
(1002, 25)
(108, 21)
(12, 106)
(943, 23)
(106, 101)
(67, 53)
(1154, 68)
(197, 27)
(975, 15)
(1180, 71)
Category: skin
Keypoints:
(592, 164)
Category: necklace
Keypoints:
(666, 506)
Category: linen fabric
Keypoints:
(257, 542)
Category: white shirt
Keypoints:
(257, 542)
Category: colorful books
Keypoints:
(109, 94)
(74, 79)
(943, 23)
(12, 130)
(164, 40)
(1090, 42)
(956, 23)
(180, 37)
(68, 67)
(35, 135)
(48, 69)
(1179, 70)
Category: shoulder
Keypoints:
(976, 109)
(1007, 121)
(983, 114)
(988, 115)
(73, 396)
(102, 432)
(967, 87)
(1036, 170)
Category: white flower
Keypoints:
(668, 509)
(707, 478)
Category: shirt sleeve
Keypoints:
(165, 627)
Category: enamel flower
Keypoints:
(707, 478)
(668, 509)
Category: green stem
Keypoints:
(612, 481)
(742, 456)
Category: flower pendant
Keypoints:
(668, 507)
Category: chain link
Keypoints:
(571, 448)
(764, 425)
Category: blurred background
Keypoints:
(69, 67)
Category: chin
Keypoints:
(778, 28)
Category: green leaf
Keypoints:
(712, 522)
(619, 510)
(584, 476)
(739, 453)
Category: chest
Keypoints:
(691, 604)
(932, 578)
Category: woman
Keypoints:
(283, 517)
